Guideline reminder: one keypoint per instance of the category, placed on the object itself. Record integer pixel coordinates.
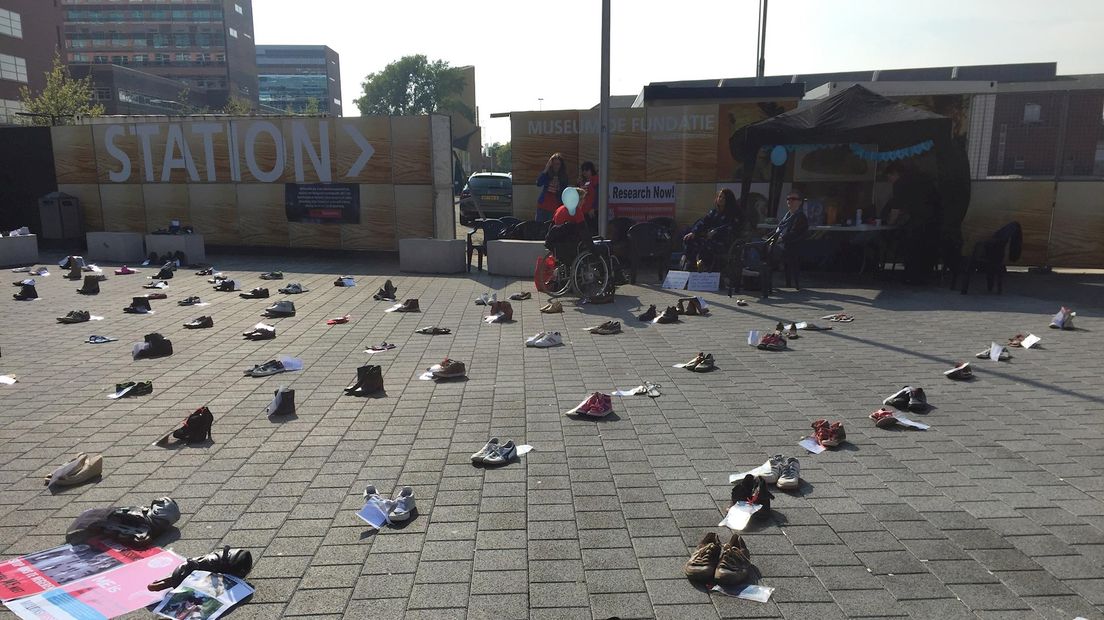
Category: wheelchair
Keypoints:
(588, 268)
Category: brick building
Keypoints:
(30, 35)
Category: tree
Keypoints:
(63, 100)
(413, 85)
(183, 98)
(498, 156)
(238, 107)
(313, 108)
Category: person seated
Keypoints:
(784, 242)
(567, 232)
(709, 236)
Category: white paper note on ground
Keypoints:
(121, 394)
(372, 515)
(1030, 341)
(902, 420)
(802, 325)
(7, 380)
(762, 470)
(676, 280)
(995, 351)
(753, 338)
(291, 363)
(751, 592)
(811, 445)
(524, 449)
(739, 515)
(393, 308)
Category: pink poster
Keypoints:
(43, 570)
(103, 596)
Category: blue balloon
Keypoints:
(570, 197)
(778, 155)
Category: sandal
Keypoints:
(521, 296)
(838, 318)
(99, 339)
(383, 346)
(338, 320)
(236, 562)
(433, 331)
(1016, 341)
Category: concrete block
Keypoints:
(508, 257)
(432, 255)
(18, 251)
(192, 246)
(115, 247)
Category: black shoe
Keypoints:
(369, 380)
(91, 286)
(753, 490)
(155, 345)
(140, 388)
(202, 322)
(917, 400)
(75, 316)
(189, 301)
(196, 427)
(166, 273)
(257, 293)
(649, 314)
(138, 305)
(260, 332)
(283, 403)
(236, 562)
(900, 400)
(26, 293)
(226, 286)
(670, 315)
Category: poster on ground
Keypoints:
(203, 596)
(103, 596)
(642, 201)
(40, 571)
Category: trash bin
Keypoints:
(61, 217)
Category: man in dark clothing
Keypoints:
(785, 241)
(914, 206)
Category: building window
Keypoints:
(139, 58)
(1018, 163)
(100, 60)
(11, 24)
(182, 57)
(1033, 113)
(238, 8)
(9, 112)
(13, 68)
(233, 33)
(336, 102)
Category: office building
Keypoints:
(289, 76)
(30, 35)
(205, 44)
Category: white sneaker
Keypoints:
(501, 454)
(551, 339)
(403, 505)
(372, 497)
(531, 339)
(791, 475)
(491, 446)
(776, 464)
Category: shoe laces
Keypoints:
(703, 554)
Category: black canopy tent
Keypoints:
(854, 115)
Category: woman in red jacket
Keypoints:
(552, 181)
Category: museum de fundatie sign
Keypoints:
(263, 144)
(652, 123)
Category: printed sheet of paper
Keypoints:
(676, 280)
(811, 445)
(40, 571)
(739, 515)
(203, 596)
(1030, 341)
(751, 592)
(704, 281)
(762, 470)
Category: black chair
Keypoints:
(750, 259)
(617, 231)
(648, 241)
(527, 230)
(492, 230)
(509, 219)
(665, 222)
(989, 257)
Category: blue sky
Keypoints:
(525, 51)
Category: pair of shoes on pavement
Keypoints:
(272, 275)
(260, 331)
(702, 362)
(398, 509)
(606, 329)
(1063, 319)
(725, 565)
(369, 380)
(282, 308)
(189, 301)
(153, 345)
(75, 316)
(134, 388)
(670, 315)
(138, 305)
(829, 434)
(79, 469)
(772, 342)
(521, 296)
(649, 314)
(1003, 356)
(554, 307)
(345, 281)
(386, 293)
(486, 299)
(691, 306)
(283, 403)
(494, 453)
(433, 331)
(960, 372)
(257, 293)
(753, 489)
(203, 322)
(544, 340)
(597, 405)
(410, 305)
(500, 311)
(785, 473)
(293, 289)
(908, 399)
(271, 367)
(448, 369)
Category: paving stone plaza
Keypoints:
(997, 511)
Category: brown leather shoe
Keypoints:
(410, 305)
(702, 564)
(733, 565)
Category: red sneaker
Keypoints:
(884, 418)
(821, 433)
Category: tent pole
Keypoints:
(603, 113)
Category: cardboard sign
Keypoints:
(676, 280)
(704, 281)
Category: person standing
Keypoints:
(588, 182)
(552, 182)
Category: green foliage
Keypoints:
(238, 107)
(498, 156)
(313, 108)
(186, 106)
(413, 85)
(63, 100)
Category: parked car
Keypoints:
(488, 195)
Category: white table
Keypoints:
(18, 251)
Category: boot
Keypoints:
(369, 380)
(27, 292)
(138, 305)
(283, 403)
(91, 286)
(75, 272)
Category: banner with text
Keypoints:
(642, 201)
(322, 203)
(36, 572)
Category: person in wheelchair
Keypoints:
(710, 236)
